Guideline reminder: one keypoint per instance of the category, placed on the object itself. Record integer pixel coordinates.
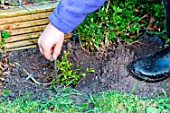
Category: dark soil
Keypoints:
(110, 70)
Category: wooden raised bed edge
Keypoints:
(25, 26)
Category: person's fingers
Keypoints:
(47, 54)
(46, 49)
(41, 50)
(40, 47)
(50, 39)
(57, 50)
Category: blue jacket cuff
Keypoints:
(59, 24)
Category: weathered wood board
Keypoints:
(25, 26)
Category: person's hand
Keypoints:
(51, 41)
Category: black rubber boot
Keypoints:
(152, 68)
(156, 67)
(166, 4)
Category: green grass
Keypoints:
(105, 102)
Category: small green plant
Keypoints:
(66, 75)
(4, 35)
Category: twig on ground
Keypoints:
(79, 81)
(137, 41)
(30, 76)
(83, 47)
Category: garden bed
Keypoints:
(110, 70)
(27, 79)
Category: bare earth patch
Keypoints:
(110, 70)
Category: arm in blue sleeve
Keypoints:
(70, 13)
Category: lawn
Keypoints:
(68, 100)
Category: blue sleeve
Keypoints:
(70, 13)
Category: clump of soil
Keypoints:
(113, 73)
(110, 70)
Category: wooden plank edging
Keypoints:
(20, 48)
(33, 9)
(21, 43)
(25, 27)
(23, 37)
(26, 30)
(24, 24)
(24, 18)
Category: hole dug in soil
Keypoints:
(110, 70)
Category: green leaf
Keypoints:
(129, 6)
(78, 68)
(151, 109)
(90, 70)
(5, 34)
(122, 5)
